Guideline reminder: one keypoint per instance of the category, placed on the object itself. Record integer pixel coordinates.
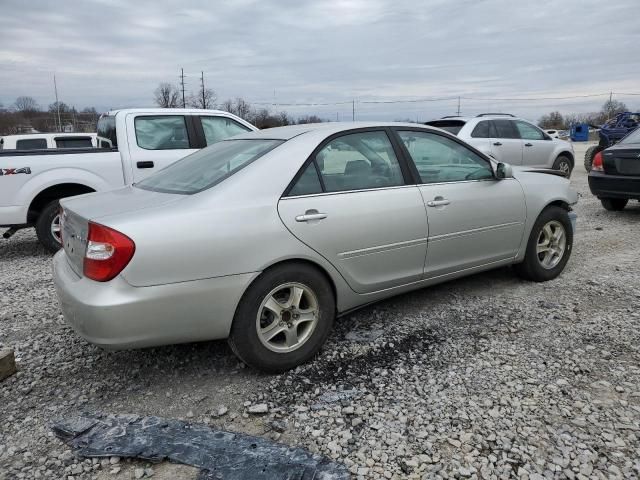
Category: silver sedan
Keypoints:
(267, 237)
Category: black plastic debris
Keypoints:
(220, 455)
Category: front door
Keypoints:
(474, 219)
(506, 144)
(537, 147)
(351, 205)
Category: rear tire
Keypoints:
(46, 226)
(564, 164)
(614, 204)
(301, 326)
(589, 154)
(549, 246)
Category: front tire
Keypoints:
(283, 318)
(48, 227)
(549, 246)
(563, 163)
(614, 204)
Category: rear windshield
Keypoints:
(107, 132)
(207, 167)
(74, 142)
(633, 137)
(451, 126)
(31, 144)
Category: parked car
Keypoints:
(132, 144)
(615, 173)
(43, 141)
(512, 140)
(266, 237)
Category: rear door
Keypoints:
(353, 205)
(474, 218)
(157, 140)
(537, 147)
(506, 145)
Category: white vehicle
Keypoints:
(132, 144)
(511, 140)
(43, 141)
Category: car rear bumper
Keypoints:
(614, 186)
(117, 315)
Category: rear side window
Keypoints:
(308, 183)
(368, 162)
(74, 142)
(481, 130)
(451, 126)
(166, 132)
(220, 128)
(207, 167)
(107, 132)
(31, 144)
(505, 129)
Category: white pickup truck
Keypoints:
(132, 144)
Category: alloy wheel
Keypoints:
(551, 245)
(56, 231)
(287, 317)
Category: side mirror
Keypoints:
(504, 170)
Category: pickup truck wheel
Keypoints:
(549, 246)
(614, 204)
(563, 163)
(48, 227)
(283, 318)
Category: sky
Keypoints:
(114, 53)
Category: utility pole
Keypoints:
(184, 104)
(353, 110)
(204, 101)
(458, 106)
(55, 88)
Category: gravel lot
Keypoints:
(485, 377)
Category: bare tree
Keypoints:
(310, 119)
(611, 108)
(26, 105)
(552, 120)
(239, 107)
(166, 95)
(205, 99)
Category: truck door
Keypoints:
(157, 140)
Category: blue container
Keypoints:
(580, 133)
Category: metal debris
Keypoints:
(219, 454)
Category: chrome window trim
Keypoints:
(324, 194)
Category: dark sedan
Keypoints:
(615, 174)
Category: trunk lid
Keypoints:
(97, 207)
(622, 161)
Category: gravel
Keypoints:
(486, 377)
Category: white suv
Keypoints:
(511, 140)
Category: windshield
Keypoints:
(207, 167)
(633, 137)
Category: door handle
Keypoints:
(528, 145)
(497, 144)
(438, 203)
(311, 215)
(147, 164)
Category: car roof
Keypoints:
(31, 136)
(166, 110)
(328, 128)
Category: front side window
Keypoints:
(220, 128)
(505, 129)
(528, 131)
(74, 142)
(440, 159)
(31, 144)
(207, 167)
(358, 161)
(162, 132)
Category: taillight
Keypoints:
(108, 252)
(597, 165)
